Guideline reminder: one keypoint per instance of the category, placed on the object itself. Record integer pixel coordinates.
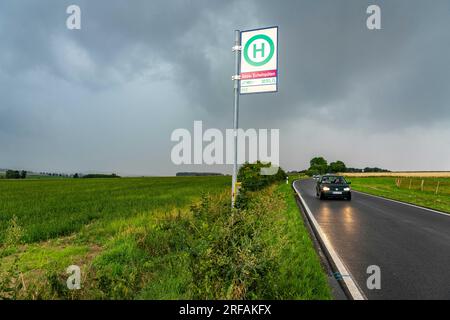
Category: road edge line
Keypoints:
(405, 203)
(350, 284)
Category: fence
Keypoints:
(430, 185)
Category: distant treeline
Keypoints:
(97, 175)
(197, 174)
(15, 174)
(367, 169)
(319, 165)
(55, 174)
(22, 174)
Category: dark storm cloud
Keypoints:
(147, 67)
(116, 36)
(332, 65)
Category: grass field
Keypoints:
(51, 208)
(434, 193)
(142, 238)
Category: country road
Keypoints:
(410, 245)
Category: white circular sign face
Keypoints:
(259, 50)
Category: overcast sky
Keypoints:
(107, 97)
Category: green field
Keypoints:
(153, 238)
(434, 194)
(51, 208)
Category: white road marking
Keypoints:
(351, 285)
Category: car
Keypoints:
(333, 186)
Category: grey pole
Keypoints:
(237, 50)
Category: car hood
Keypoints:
(334, 185)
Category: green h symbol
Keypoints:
(258, 50)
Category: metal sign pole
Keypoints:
(237, 49)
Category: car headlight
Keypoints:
(326, 189)
(347, 189)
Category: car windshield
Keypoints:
(333, 180)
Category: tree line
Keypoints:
(15, 174)
(22, 174)
(319, 165)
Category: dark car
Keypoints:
(332, 186)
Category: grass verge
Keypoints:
(298, 257)
(434, 193)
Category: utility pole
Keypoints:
(236, 79)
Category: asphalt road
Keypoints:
(410, 245)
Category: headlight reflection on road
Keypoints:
(349, 220)
(325, 213)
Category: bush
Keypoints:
(229, 257)
(261, 252)
(252, 180)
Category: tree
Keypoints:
(318, 165)
(12, 174)
(337, 166)
(76, 176)
(318, 161)
(23, 174)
